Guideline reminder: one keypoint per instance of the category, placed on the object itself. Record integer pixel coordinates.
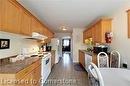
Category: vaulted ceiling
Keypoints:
(71, 13)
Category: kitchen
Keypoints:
(24, 33)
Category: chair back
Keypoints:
(94, 71)
(103, 60)
(115, 59)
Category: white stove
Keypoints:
(45, 67)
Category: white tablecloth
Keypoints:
(115, 76)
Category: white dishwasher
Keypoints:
(45, 67)
(88, 60)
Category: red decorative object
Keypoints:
(108, 37)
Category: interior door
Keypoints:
(66, 45)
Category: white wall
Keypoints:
(60, 37)
(77, 37)
(16, 44)
(120, 30)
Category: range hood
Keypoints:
(37, 36)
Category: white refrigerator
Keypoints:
(55, 46)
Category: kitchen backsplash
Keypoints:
(17, 44)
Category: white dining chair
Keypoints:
(95, 76)
(103, 60)
(115, 59)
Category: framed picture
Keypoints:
(4, 43)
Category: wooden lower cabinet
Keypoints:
(94, 59)
(27, 80)
(29, 76)
(82, 58)
(33, 78)
(37, 76)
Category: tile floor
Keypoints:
(65, 74)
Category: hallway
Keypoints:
(65, 73)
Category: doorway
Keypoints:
(66, 45)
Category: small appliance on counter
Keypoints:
(100, 48)
(48, 48)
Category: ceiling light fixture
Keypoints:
(63, 28)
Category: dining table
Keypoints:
(115, 76)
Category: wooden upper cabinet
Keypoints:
(84, 36)
(128, 14)
(11, 17)
(51, 35)
(1, 10)
(97, 30)
(88, 34)
(44, 30)
(26, 24)
(47, 32)
(36, 26)
(106, 26)
(14, 18)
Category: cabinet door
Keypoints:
(82, 58)
(36, 27)
(27, 80)
(84, 36)
(40, 28)
(50, 34)
(1, 10)
(94, 33)
(11, 17)
(106, 27)
(37, 76)
(94, 59)
(93, 36)
(128, 19)
(98, 32)
(45, 31)
(25, 24)
(89, 33)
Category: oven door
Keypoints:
(46, 68)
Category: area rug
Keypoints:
(78, 67)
